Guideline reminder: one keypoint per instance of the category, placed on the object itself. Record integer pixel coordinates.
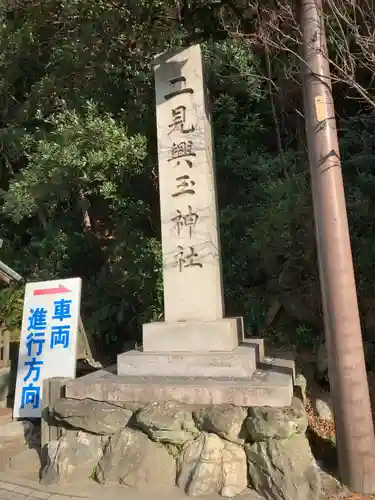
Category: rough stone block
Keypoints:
(132, 459)
(284, 469)
(239, 363)
(71, 457)
(264, 423)
(91, 416)
(200, 467)
(193, 336)
(226, 421)
(166, 422)
(264, 388)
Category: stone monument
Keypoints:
(196, 355)
(193, 289)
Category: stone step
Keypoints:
(258, 344)
(285, 364)
(264, 388)
(192, 336)
(282, 365)
(241, 362)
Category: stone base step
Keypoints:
(241, 362)
(282, 365)
(264, 388)
(192, 336)
(256, 343)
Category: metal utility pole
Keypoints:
(347, 371)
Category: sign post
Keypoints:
(48, 341)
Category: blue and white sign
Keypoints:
(48, 341)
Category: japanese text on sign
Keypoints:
(48, 340)
(182, 155)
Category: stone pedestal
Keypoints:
(241, 362)
(196, 355)
(193, 336)
(271, 384)
(195, 340)
(192, 348)
(263, 388)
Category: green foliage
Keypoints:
(86, 176)
(358, 154)
(84, 155)
(306, 337)
(11, 305)
(255, 316)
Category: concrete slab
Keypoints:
(9, 448)
(15, 429)
(27, 462)
(193, 336)
(239, 363)
(264, 388)
(88, 489)
(282, 365)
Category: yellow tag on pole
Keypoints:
(320, 108)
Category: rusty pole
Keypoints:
(349, 386)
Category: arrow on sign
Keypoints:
(52, 291)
